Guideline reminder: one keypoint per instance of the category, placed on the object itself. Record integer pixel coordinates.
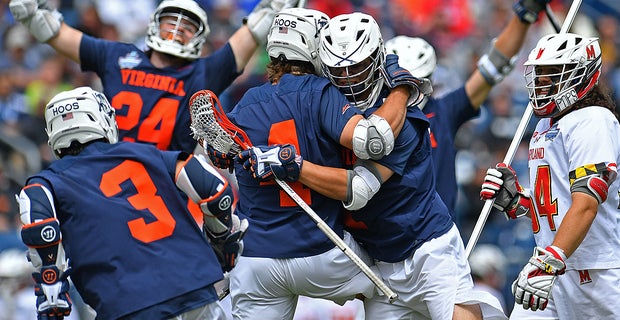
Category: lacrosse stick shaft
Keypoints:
(516, 140)
(301, 4)
(337, 241)
(552, 19)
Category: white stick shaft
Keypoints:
(516, 140)
(301, 3)
(338, 242)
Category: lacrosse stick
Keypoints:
(211, 125)
(512, 150)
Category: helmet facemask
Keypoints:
(560, 71)
(361, 82)
(179, 29)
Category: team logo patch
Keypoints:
(48, 234)
(129, 61)
(49, 276)
(224, 203)
(285, 154)
(552, 132)
(584, 276)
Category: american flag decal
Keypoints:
(283, 29)
(67, 116)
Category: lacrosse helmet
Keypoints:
(561, 70)
(414, 54)
(352, 55)
(294, 34)
(81, 115)
(185, 14)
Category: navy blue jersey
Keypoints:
(308, 112)
(129, 238)
(407, 211)
(152, 104)
(446, 115)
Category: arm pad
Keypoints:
(593, 179)
(494, 66)
(211, 191)
(373, 138)
(363, 185)
(41, 230)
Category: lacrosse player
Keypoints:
(574, 197)
(149, 90)
(404, 225)
(447, 113)
(110, 215)
(286, 254)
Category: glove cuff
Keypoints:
(557, 252)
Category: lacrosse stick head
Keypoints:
(211, 126)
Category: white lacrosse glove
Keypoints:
(260, 19)
(532, 289)
(42, 21)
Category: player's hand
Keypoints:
(395, 76)
(265, 163)
(528, 10)
(22, 10)
(219, 159)
(51, 289)
(228, 248)
(260, 19)
(532, 289)
(501, 184)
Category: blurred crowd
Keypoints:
(461, 31)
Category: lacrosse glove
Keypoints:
(501, 184)
(229, 247)
(395, 75)
(219, 159)
(265, 163)
(51, 288)
(528, 10)
(532, 289)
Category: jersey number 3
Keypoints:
(146, 198)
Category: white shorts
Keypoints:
(430, 283)
(209, 311)
(265, 288)
(591, 294)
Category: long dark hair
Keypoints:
(600, 95)
(279, 66)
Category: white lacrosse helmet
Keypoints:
(414, 54)
(81, 115)
(561, 70)
(184, 12)
(294, 34)
(352, 55)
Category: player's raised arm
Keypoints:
(499, 61)
(46, 25)
(255, 29)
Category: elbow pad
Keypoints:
(41, 230)
(373, 138)
(494, 66)
(362, 186)
(204, 185)
(593, 179)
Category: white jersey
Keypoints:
(581, 142)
